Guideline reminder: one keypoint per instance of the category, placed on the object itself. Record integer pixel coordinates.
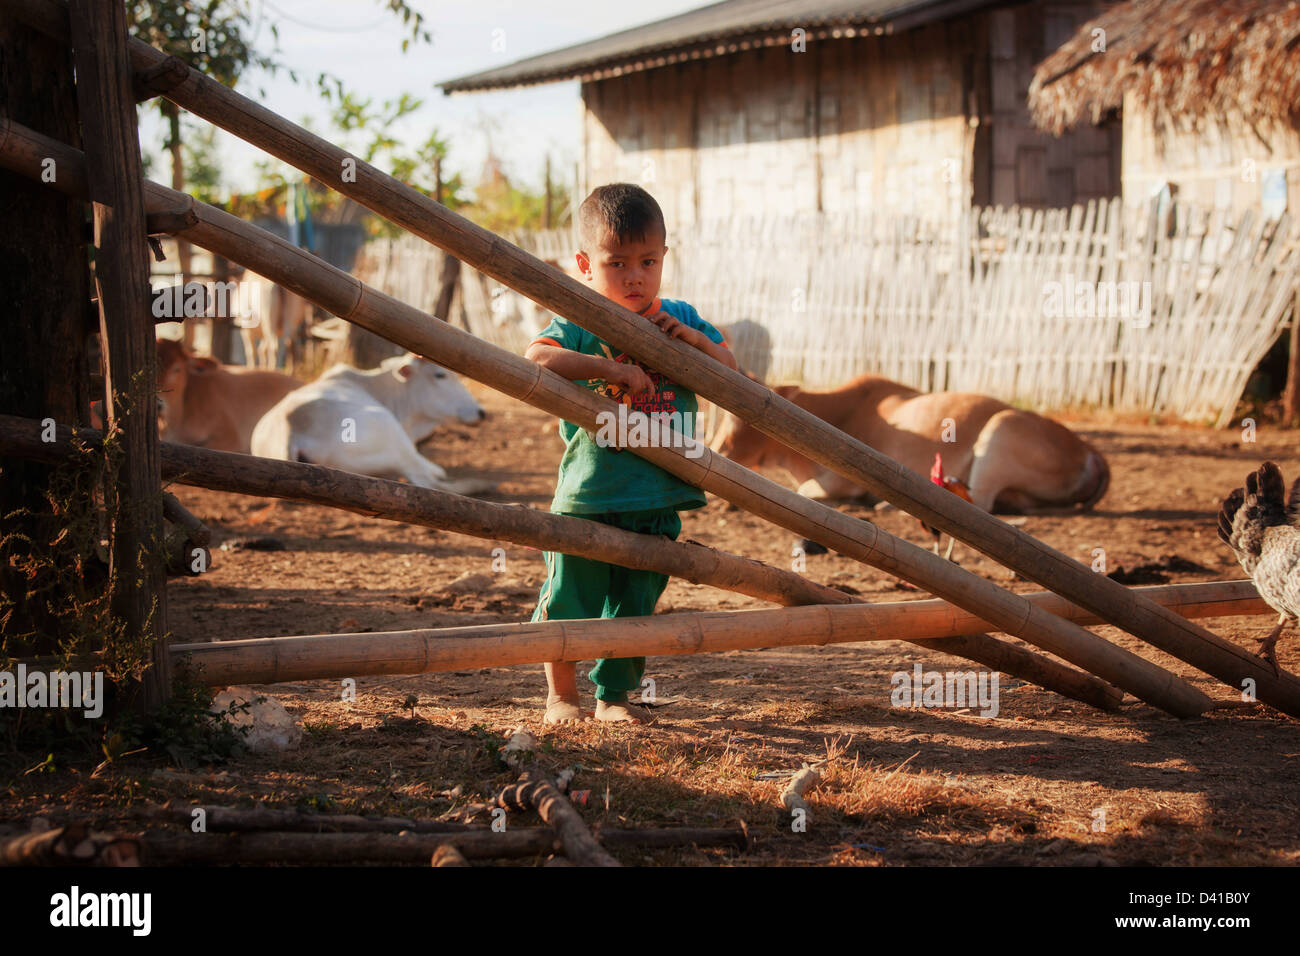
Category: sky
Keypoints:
(360, 42)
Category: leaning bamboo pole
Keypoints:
(391, 500)
(753, 402)
(24, 152)
(271, 660)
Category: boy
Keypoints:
(623, 235)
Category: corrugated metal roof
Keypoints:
(717, 29)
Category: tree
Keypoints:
(503, 207)
(210, 37)
(216, 37)
(213, 36)
(203, 169)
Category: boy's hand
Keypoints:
(694, 338)
(632, 377)
(674, 328)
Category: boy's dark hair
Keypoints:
(623, 211)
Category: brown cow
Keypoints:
(213, 405)
(1010, 460)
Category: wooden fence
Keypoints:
(28, 152)
(1102, 306)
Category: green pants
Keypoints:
(578, 588)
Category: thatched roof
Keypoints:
(1188, 60)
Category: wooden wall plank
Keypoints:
(44, 361)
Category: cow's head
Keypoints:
(435, 395)
(173, 372)
(175, 367)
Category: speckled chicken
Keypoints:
(1262, 525)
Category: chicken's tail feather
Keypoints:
(1245, 516)
(1231, 505)
(1270, 496)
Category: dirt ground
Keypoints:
(1046, 781)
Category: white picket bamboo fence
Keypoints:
(1184, 304)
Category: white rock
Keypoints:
(271, 728)
(517, 748)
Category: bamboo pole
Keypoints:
(752, 401)
(341, 294)
(270, 660)
(393, 501)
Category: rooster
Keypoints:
(1262, 526)
(954, 485)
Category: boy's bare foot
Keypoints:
(613, 711)
(560, 711)
(562, 705)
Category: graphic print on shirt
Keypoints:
(660, 400)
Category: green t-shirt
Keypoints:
(595, 479)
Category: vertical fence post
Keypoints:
(114, 176)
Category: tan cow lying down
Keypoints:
(213, 405)
(1010, 460)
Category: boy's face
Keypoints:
(627, 272)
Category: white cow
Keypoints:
(369, 422)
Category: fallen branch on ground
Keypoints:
(264, 818)
(554, 808)
(72, 845)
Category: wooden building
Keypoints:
(750, 107)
